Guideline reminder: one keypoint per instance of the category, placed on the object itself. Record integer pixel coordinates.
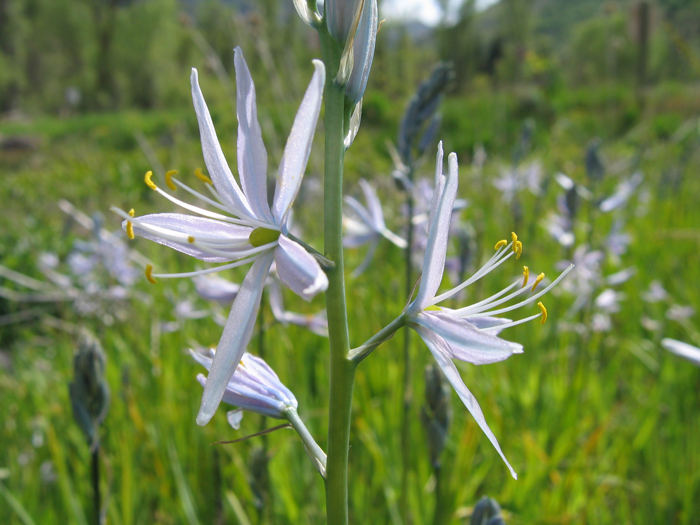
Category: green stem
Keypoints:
(407, 392)
(308, 440)
(386, 333)
(96, 485)
(342, 370)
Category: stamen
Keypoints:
(211, 270)
(201, 176)
(544, 312)
(130, 226)
(537, 281)
(500, 244)
(514, 238)
(190, 239)
(518, 249)
(500, 327)
(148, 181)
(149, 274)
(169, 179)
(526, 274)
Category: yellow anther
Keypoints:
(518, 249)
(149, 274)
(129, 226)
(148, 181)
(190, 239)
(169, 179)
(241, 363)
(526, 275)
(500, 244)
(201, 176)
(544, 313)
(514, 238)
(537, 281)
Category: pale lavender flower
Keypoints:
(684, 350)
(655, 293)
(586, 277)
(622, 194)
(617, 241)
(513, 180)
(254, 387)
(680, 313)
(609, 301)
(468, 334)
(367, 226)
(317, 323)
(215, 288)
(257, 234)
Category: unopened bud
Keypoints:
(436, 414)
(89, 392)
(487, 512)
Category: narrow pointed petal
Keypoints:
(220, 173)
(298, 147)
(298, 270)
(252, 156)
(440, 350)
(363, 50)
(362, 212)
(373, 204)
(197, 227)
(466, 342)
(235, 337)
(436, 251)
(689, 352)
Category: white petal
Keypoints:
(363, 52)
(235, 337)
(466, 342)
(234, 418)
(435, 252)
(252, 156)
(198, 227)
(298, 147)
(439, 348)
(373, 204)
(298, 269)
(214, 158)
(689, 352)
(489, 322)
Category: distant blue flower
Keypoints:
(689, 352)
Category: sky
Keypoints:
(427, 11)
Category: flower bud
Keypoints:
(486, 512)
(437, 411)
(89, 392)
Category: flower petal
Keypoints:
(298, 147)
(177, 224)
(220, 173)
(440, 350)
(298, 270)
(689, 352)
(435, 252)
(466, 342)
(363, 51)
(252, 156)
(215, 288)
(235, 337)
(373, 204)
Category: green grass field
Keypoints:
(602, 427)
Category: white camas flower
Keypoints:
(256, 233)
(368, 226)
(254, 387)
(689, 352)
(468, 334)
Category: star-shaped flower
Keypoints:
(256, 233)
(368, 226)
(471, 333)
